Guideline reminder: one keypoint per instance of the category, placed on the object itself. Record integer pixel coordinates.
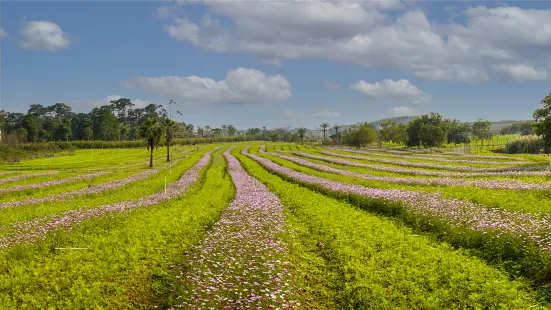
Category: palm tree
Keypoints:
(153, 135)
(324, 127)
(170, 128)
(301, 133)
(336, 127)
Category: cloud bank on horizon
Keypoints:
(401, 56)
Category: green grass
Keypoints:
(117, 172)
(348, 252)
(127, 264)
(525, 201)
(133, 190)
(361, 261)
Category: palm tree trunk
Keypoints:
(151, 157)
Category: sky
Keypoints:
(280, 63)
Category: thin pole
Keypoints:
(165, 184)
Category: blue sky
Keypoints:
(283, 63)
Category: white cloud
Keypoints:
(88, 104)
(3, 33)
(398, 91)
(362, 33)
(403, 111)
(330, 85)
(239, 86)
(521, 72)
(321, 114)
(44, 35)
(167, 12)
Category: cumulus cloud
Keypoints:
(321, 114)
(330, 85)
(363, 33)
(3, 33)
(87, 104)
(398, 91)
(239, 86)
(521, 72)
(403, 111)
(44, 36)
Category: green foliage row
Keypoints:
(532, 201)
(524, 145)
(126, 259)
(369, 262)
(509, 252)
(149, 186)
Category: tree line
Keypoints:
(430, 130)
(118, 121)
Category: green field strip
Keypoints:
(127, 260)
(536, 202)
(364, 261)
(115, 173)
(521, 258)
(130, 191)
(415, 169)
(427, 164)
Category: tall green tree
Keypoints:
(387, 131)
(301, 131)
(63, 131)
(428, 130)
(231, 130)
(152, 132)
(481, 129)
(170, 127)
(542, 116)
(337, 127)
(359, 135)
(32, 126)
(458, 132)
(324, 127)
(105, 124)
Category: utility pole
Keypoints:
(170, 103)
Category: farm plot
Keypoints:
(518, 240)
(240, 227)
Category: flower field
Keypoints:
(275, 226)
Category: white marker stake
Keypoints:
(165, 184)
(170, 168)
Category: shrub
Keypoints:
(524, 145)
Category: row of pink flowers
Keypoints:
(533, 228)
(458, 154)
(433, 158)
(510, 184)
(238, 264)
(26, 176)
(435, 166)
(37, 229)
(7, 172)
(85, 191)
(51, 183)
(421, 172)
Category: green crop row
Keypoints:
(357, 260)
(151, 185)
(119, 262)
(532, 201)
(510, 252)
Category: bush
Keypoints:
(524, 145)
